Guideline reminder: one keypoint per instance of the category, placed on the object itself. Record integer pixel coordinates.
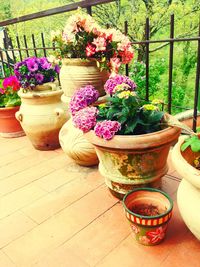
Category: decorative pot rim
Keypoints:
(183, 166)
(154, 139)
(9, 108)
(149, 190)
(79, 61)
(37, 94)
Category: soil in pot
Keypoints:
(147, 210)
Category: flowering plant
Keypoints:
(33, 71)
(8, 92)
(84, 38)
(124, 112)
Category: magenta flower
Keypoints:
(57, 69)
(107, 129)
(112, 82)
(11, 82)
(90, 50)
(82, 98)
(85, 119)
(39, 77)
(46, 66)
(2, 91)
(32, 64)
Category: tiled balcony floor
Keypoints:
(54, 213)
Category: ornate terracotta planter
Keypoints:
(148, 211)
(9, 126)
(76, 73)
(75, 145)
(188, 195)
(133, 161)
(42, 114)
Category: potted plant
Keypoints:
(87, 49)
(131, 137)
(186, 160)
(9, 105)
(148, 211)
(42, 113)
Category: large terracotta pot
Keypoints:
(188, 195)
(9, 126)
(42, 114)
(76, 146)
(133, 161)
(76, 73)
(148, 211)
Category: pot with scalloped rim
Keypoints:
(148, 211)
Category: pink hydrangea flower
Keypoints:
(85, 119)
(82, 98)
(112, 82)
(107, 129)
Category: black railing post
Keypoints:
(43, 44)
(196, 95)
(126, 32)
(171, 55)
(147, 34)
(89, 10)
(18, 45)
(34, 45)
(26, 46)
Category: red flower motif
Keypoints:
(135, 228)
(157, 235)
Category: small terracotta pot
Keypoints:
(9, 126)
(148, 211)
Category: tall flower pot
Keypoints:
(42, 114)
(148, 211)
(76, 73)
(133, 161)
(9, 126)
(188, 195)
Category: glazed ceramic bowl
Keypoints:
(148, 211)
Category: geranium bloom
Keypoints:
(82, 98)
(2, 91)
(90, 50)
(107, 129)
(12, 82)
(112, 82)
(100, 43)
(115, 64)
(85, 119)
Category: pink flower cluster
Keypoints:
(87, 39)
(112, 82)
(85, 119)
(82, 98)
(107, 129)
(10, 82)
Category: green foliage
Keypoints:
(135, 116)
(193, 142)
(138, 74)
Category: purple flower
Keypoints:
(112, 82)
(32, 64)
(85, 119)
(39, 77)
(107, 129)
(82, 98)
(42, 60)
(46, 65)
(57, 69)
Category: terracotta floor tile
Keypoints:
(100, 237)
(60, 257)
(19, 199)
(47, 236)
(59, 199)
(23, 178)
(14, 226)
(5, 261)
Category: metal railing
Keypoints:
(22, 47)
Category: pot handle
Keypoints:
(19, 116)
(59, 112)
